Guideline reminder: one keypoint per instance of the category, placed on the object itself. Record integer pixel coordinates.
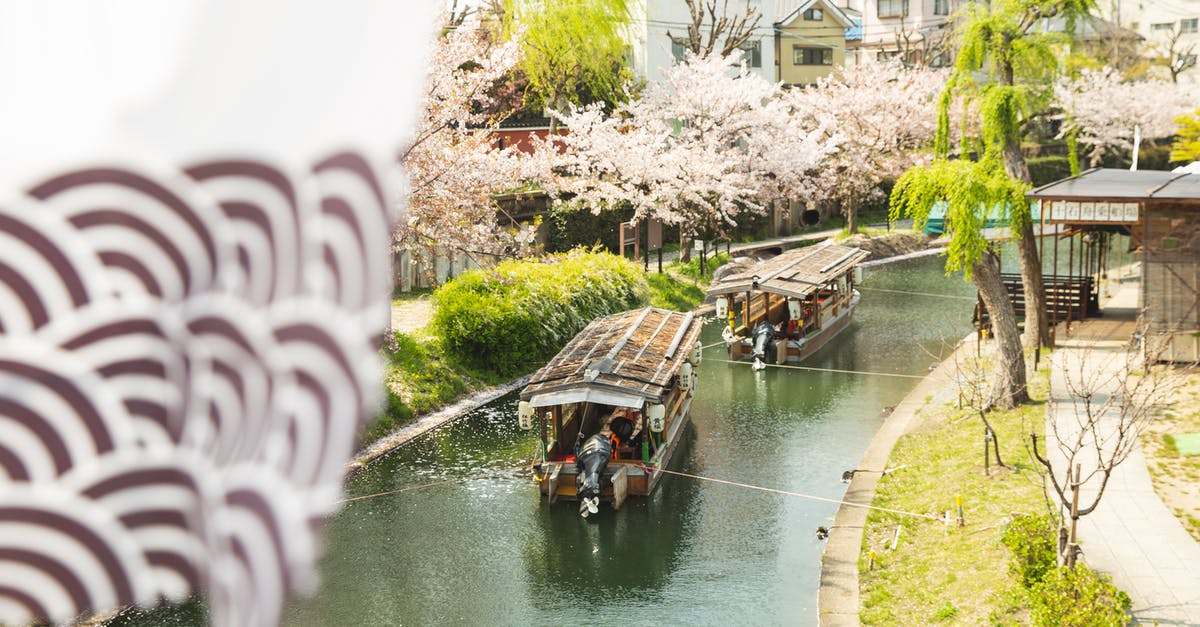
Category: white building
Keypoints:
(654, 50)
(1160, 21)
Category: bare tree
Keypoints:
(923, 46)
(1178, 56)
(712, 29)
(1111, 395)
(971, 374)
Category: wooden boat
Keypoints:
(611, 406)
(790, 305)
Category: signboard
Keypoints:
(654, 235)
(1092, 211)
(629, 237)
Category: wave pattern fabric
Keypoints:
(186, 359)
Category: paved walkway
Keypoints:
(1131, 535)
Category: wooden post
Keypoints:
(1072, 540)
(987, 453)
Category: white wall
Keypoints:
(1140, 15)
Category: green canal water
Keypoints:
(478, 547)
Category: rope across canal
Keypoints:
(735, 484)
(874, 374)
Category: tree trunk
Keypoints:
(1036, 328)
(850, 210)
(1008, 385)
(685, 248)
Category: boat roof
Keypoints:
(796, 273)
(622, 360)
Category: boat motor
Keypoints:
(763, 342)
(590, 462)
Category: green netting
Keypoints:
(1188, 443)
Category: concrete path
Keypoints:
(1131, 535)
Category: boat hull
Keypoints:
(801, 349)
(557, 480)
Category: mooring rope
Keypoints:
(798, 494)
(863, 372)
(417, 487)
(670, 472)
(931, 294)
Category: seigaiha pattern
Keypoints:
(186, 358)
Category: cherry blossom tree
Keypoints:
(452, 162)
(705, 145)
(1100, 111)
(886, 114)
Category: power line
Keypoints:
(862, 372)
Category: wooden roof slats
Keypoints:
(639, 349)
(795, 273)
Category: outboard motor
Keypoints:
(763, 341)
(590, 461)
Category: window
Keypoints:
(814, 15)
(1161, 26)
(1188, 26)
(752, 54)
(892, 8)
(812, 56)
(941, 7)
(678, 51)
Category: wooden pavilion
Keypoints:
(1160, 211)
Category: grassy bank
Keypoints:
(949, 573)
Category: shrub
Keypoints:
(1031, 540)
(1077, 597)
(1044, 170)
(517, 313)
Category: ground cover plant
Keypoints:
(939, 572)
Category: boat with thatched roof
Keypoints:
(612, 405)
(790, 305)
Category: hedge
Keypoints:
(509, 317)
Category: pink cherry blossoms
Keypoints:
(885, 114)
(1103, 110)
(452, 165)
(709, 142)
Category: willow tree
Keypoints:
(574, 50)
(1008, 65)
(1187, 138)
(973, 192)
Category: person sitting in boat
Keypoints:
(622, 430)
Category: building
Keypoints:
(1161, 212)
(795, 41)
(1171, 30)
(810, 42)
(914, 31)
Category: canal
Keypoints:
(471, 543)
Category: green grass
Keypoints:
(668, 292)
(691, 269)
(940, 572)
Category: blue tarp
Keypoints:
(937, 217)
